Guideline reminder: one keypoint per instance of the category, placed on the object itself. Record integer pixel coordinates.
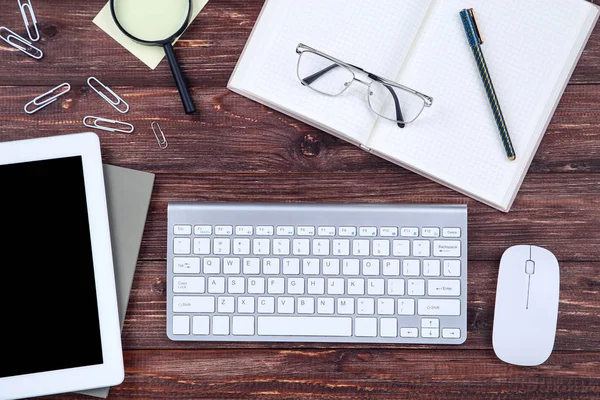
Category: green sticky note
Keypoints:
(149, 55)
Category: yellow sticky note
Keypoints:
(149, 55)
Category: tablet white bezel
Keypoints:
(111, 372)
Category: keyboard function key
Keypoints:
(181, 325)
(446, 248)
(182, 230)
(451, 333)
(326, 231)
(200, 325)
(244, 230)
(368, 231)
(451, 232)
(443, 287)
(409, 332)
(224, 230)
(388, 231)
(409, 232)
(430, 232)
(388, 327)
(430, 323)
(439, 307)
(265, 230)
(431, 333)
(347, 231)
(186, 265)
(188, 284)
(203, 230)
(365, 327)
(285, 231)
(305, 231)
(220, 325)
(193, 304)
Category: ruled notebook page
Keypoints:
(530, 48)
(374, 35)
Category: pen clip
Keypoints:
(474, 22)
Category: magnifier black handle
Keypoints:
(186, 97)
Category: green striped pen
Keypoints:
(475, 41)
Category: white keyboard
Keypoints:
(317, 273)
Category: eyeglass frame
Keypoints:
(427, 100)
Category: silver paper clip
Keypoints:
(119, 127)
(21, 43)
(160, 135)
(47, 98)
(26, 7)
(116, 102)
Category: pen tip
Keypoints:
(513, 158)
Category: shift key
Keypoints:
(439, 307)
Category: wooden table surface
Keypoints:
(236, 150)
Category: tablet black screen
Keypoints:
(48, 304)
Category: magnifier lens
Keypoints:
(151, 20)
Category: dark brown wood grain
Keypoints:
(237, 150)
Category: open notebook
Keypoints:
(531, 47)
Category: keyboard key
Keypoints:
(316, 286)
(221, 325)
(265, 231)
(411, 268)
(216, 285)
(451, 267)
(385, 306)
(431, 267)
(285, 305)
(222, 246)
(430, 232)
(388, 327)
(203, 230)
(285, 231)
(351, 267)
(305, 231)
(276, 286)
(451, 333)
(409, 232)
(445, 287)
(245, 305)
(356, 286)
(406, 307)
(391, 267)
(212, 265)
(271, 266)
(370, 267)
(182, 230)
(331, 266)
(401, 248)
(366, 306)
(321, 247)
(395, 287)
(306, 305)
(281, 247)
(243, 326)
(439, 307)
(295, 286)
(186, 265)
(335, 286)
(430, 323)
(193, 304)
(360, 247)
(451, 232)
(310, 266)
(244, 230)
(325, 305)
(181, 325)
(347, 231)
(409, 332)
(365, 327)
(416, 287)
(421, 248)
(375, 287)
(181, 245)
(261, 247)
(241, 246)
(430, 333)
(266, 305)
(367, 231)
(305, 326)
(345, 306)
(446, 248)
(225, 304)
(202, 246)
(236, 285)
(341, 247)
(388, 231)
(231, 265)
(256, 285)
(200, 325)
(291, 266)
(326, 231)
(188, 284)
(223, 230)
(301, 247)
(381, 248)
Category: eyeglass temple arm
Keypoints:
(310, 79)
(399, 115)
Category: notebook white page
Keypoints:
(374, 35)
(529, 48)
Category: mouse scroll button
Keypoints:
(529, 267)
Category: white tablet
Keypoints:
(58, 308)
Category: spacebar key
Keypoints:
(304, 326)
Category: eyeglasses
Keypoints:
(332, 77)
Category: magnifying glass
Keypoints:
(157, 23)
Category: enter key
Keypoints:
(443, 287)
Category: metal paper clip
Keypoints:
(26, 7)
(47, 98)
(117, 100)
(21, 44)
(119, 126)
(159, 135)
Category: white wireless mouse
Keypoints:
(526, 305)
